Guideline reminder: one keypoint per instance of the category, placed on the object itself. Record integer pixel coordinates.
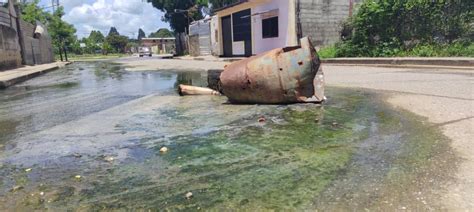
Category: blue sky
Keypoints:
(126, 15)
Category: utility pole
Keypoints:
(54, 5)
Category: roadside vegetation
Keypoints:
(87, 57)
(390, 28)
(67, 45)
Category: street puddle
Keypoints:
(351, 153)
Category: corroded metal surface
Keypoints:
(284, 75)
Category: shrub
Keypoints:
(427, 28)
(327, 52)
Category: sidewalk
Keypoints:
(405, 61)
(14, 76)
(211, 58)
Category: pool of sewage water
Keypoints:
(88, 137)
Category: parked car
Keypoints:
(144, 51)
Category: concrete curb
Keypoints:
(229, 60)
(21, 77)
(464, 62)
(459, 68)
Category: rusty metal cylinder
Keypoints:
(280, 76)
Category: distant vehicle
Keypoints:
(144, 51)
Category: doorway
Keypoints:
(227, 35)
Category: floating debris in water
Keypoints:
(78, 177)
(261, 119)
(109, 159)
(189, 195)
(16, 188)
(28, 170)
(164, 149)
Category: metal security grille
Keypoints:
(242, 27)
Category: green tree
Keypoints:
(117, 43)
(161, 33)
(179, 13)
(31, 12)
(113, 31)
(106, 48)
(216, 4)
(62, 33)
(96, 36)
(141, 34)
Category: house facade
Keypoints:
(250, 27)
(160, 45)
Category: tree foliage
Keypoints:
(161, 33)
(62, 33)
(385, 27)
(113, 31)
(216, 4)
(188, 10)
(94, 42)
(31, 13)
(96, 36)
(117, 43)
(141, 34)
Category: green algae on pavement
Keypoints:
(299, 158)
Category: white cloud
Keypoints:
(126, 15)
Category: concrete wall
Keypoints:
(36, 50)
(10, 56)
(45, 46)
(201, 29)
(18, 41)
(322, 19)
(5, 16)
(194, 45)
(160, 45)
(215, 44)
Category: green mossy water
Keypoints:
(289, 162)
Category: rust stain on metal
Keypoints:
(279, 76)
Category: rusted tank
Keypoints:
(280, 76)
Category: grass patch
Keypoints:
(328, 52)
(455, 49)
(87, 57)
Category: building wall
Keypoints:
(37, 50)
(286, 26)
(18, 41)
(238, 48)
(45, 46)
(215, 44)
(322, 19)
(194, 45)
(202, 30)
(29, 43)
(160, 46)
(10, 56)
